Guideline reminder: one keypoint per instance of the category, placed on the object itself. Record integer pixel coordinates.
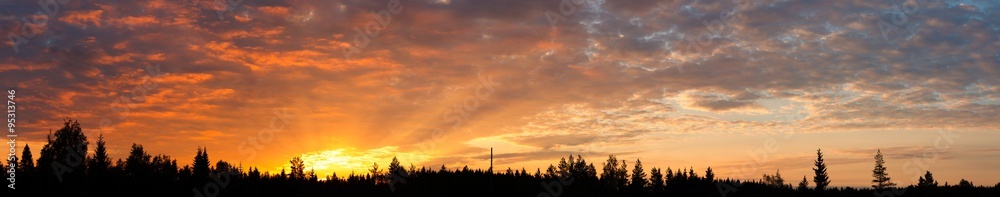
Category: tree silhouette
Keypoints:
(375, 171)
(692, 175)
(312, 175)
(396, 173)
(709, 175)
(9, 162)
(639, 181)
(138, 163)
(550, 172)
(564, 168)
(965, 183)
(27, 164)
(298, 169)
(200, 167)
(882, 180)
(927, 180)
(63, 155)
(775, 180)
(821, 179)
(99, 164)
(614, 175)
(655, 180)
(669, 175)
(804, 185)
(21, 167)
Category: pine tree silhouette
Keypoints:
(27, 164)
(200, 167)
(99, 165)
(638, 181)
(709, 175)
(927, 180)
(820, 178)
(655, 180)
(804, 185)
(882, 180)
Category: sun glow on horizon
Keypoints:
(345, 160)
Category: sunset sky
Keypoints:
(746, 86)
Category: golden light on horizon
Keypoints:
(346, 160)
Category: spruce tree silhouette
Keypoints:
(692, 175)
(669, 175)
(709, 175)
(312, 175)
(164, 168)
(614, 177)
(550, 172)
(396, 174)
(820, 178)
(200, 167)
(565, 168)
(621, 174)
(881, 177)
(655, 180)
(638, 181)
(927, 180)
(27, 163)
(26, 168)
(99, 165)
(804, 185)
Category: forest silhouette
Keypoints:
(64, 168)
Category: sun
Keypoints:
(347, 160)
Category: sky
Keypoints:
(746, 87)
